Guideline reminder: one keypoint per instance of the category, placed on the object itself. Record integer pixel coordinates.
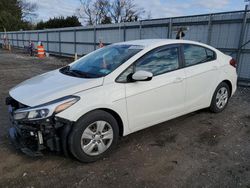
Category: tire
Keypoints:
(220, 98)
(93, 136)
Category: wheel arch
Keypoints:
(229, 85)
(213, 106)
(117, 117)
(114, 114)
(228, 82)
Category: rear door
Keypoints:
(157, 100)
(201, 71)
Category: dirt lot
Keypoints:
(197, 150)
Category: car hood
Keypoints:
(50, 86)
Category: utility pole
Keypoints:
(248, 5)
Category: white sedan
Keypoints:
(83, 108)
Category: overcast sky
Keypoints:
(157, 8)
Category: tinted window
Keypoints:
(159, 62)
(196, 54)
(211, 54)
(123, 77)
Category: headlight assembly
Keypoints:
(64, 106)
(20, 115)
(38, 114)
(45, 110)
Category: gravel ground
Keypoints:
(200, 149)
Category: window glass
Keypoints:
(196, 54)
(159, 62)
(124, 76)
(103, 61)
(210, 54)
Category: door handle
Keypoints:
(178, 79)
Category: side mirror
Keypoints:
(142, 76)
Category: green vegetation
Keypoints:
(20, 14)
(59, 22)
(10, 15)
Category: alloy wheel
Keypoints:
(97, 138)
(221, 97)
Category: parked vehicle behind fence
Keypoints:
(82, 109)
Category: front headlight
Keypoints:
(38, 114)
(32, 114)
(45, 110)
(20, 115)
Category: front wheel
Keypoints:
(93, 136)
(220, 98)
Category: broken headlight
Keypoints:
(45, 110)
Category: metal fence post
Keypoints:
(23, 39)
(94, 37)
(209, 33)
(74, 41)
(124, 31)
(140, 30)
(17, 41)
(60, 45)
(12, 40)
(170, 24)
(47, 38)
(242, 35)
(38, 37)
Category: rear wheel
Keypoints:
(220, 98)
(94, 136)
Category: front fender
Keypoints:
(110, 97)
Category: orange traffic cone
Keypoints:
(40, 52)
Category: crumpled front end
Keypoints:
(34, 136)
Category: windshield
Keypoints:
(102, 61)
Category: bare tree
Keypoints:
(125, 11)
(149, 15)
(85, 12)
(28, 10)
(94, 12)
(116, 9)
(105, 11)
(102, 10)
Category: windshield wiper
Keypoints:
(66, 70)
(78, 73)
(84, 74)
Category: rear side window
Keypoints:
(194, 54)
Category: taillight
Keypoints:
(233, 62)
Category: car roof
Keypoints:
(145, 42)
(154, 42)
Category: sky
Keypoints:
(157, 8)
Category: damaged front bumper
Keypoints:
(32, 149)
(33, 137)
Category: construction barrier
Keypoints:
(40, 52)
